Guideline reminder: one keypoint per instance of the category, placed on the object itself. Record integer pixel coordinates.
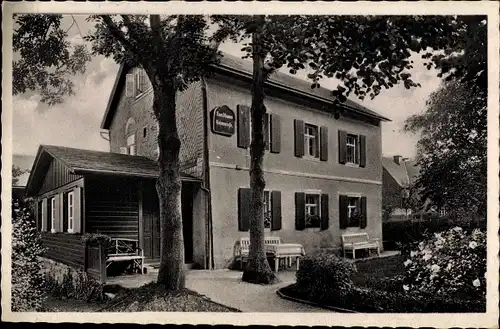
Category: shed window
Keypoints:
(53, 213)
(70, 210)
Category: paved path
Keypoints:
(225, 287)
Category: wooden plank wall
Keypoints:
(57, 176)
(65, 248)
(112, 207)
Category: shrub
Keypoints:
(448, 264)
(323, 276)
(96, 238)
(27, 278)
(79, 287)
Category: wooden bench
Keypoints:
(242, 247)
(356, 241)
(122, 250)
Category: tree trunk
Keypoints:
(257, 269)
(168, 186)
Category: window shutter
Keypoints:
(300, 211)
(362, 151)
(362, 223)
(244, 197)
(77, 210)
(44, 215)
(265, 129)
(343, 211)
(49, 214)
(324, 212)
(65, 214)
(342, 146)
(299, 138)
(243, 126)
(276, 210)
(275, 133)
(323, 151)
(129, 85)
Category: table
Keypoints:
(287, 251)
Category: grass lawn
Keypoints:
(380, 273)
(149, 298)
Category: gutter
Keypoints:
(209, 245)
(84, 171)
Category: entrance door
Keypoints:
(151, 217)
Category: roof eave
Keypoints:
(106, 120)
(90, 171)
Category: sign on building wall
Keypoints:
(223, 121)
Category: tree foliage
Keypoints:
(453, 147)
(16, 173)
(46, 60)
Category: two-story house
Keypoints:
(323, 175)
(319, 170)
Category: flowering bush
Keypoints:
(449, 263)
(27, 278)
(96, 238)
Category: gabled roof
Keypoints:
(230, 64)
(88, 162)
(24, 162)
(405, 173)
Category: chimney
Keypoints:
(397, 159)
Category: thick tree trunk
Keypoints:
(168, 185)
(257, 269)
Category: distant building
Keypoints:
(24, 163)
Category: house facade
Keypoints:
(323, 175)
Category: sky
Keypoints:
(76, 122)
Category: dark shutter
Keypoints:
(323, 151)
(275, 133)
(299, 138)
(300, 211)
(276, 210)
(343, 220)
(65, 212)
(244, 197)
(243, 126)
(342, 146)
(362, 223)
(362, 151)
(324, 212)
(265, 128)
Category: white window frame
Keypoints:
(308, 137)
(131, 146)
(71, 212)
(354, 146)
(53, 212)
(267, 207)
(309, 206)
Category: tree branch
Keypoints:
(117, 33)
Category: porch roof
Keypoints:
(89, 162)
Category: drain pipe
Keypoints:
(206, 181)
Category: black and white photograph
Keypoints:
(203, 163)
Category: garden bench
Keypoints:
(356, 241)
(122, 250)
(273, 247)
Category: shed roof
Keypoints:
(88, 162)
(243, 68)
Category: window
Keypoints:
(140, 82)
(131, 145)
(353, 211)
(70, 210)
(267, 210)
(144, 132)
(53, 212)
(311, 141)
(312, 206)
(351, 149)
